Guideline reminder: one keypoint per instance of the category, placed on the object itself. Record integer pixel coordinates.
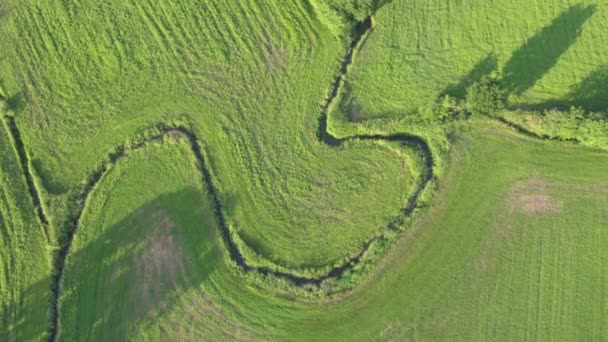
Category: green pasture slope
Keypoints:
(549, 53)
(506, 242)
(513, 249)
(92, 75)
(25, 256)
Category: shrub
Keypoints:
(485, 97)
(589, 129)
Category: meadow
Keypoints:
(497, 257)
(25, 254)
(548, 53)
(262, 170)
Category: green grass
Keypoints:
(144, 241)
(253, 99)
(511, 250)
(507, 243)
(25, 257)
(548, 53)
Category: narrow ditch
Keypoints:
(29, 179)
(360, 31)
(524, 131)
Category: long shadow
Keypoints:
(591, 94)
(542, 51)
(18, 323)
(137, 269)
(484, 67)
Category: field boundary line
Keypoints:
(19, 148)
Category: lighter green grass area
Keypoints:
(547, 51)
(513, 249)
(249, 77)
(25, 266)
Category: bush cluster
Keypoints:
(590, 129)
(486, 97)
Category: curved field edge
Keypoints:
(363, 29)
(152, 252)
(396, 137)
(238, 146)
(370, 250)
(445, 270)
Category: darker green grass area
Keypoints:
(145, 240)
(148, 261)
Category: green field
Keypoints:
(25, 256)
(548, 52)
(497, 256)
(303, 170)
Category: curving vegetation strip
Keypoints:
(529, 133)
(361, 30)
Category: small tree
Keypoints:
(485, 97)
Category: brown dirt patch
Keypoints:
(159, 264)
(201, 316)
(532, 204)
(394, 331)
(531, 197)
(274, 55)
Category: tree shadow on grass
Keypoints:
(591, 94)
(542, 51)
(50, 183)
(536, 57)
(21, 319)
(484, 67)
(137, 270)
(16, 102)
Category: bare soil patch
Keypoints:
(159, 264)
(274, 55)
(531, 197)
(532, 204)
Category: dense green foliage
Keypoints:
(503, 241)
(485, 97)
(340, 15)
(590, 129)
